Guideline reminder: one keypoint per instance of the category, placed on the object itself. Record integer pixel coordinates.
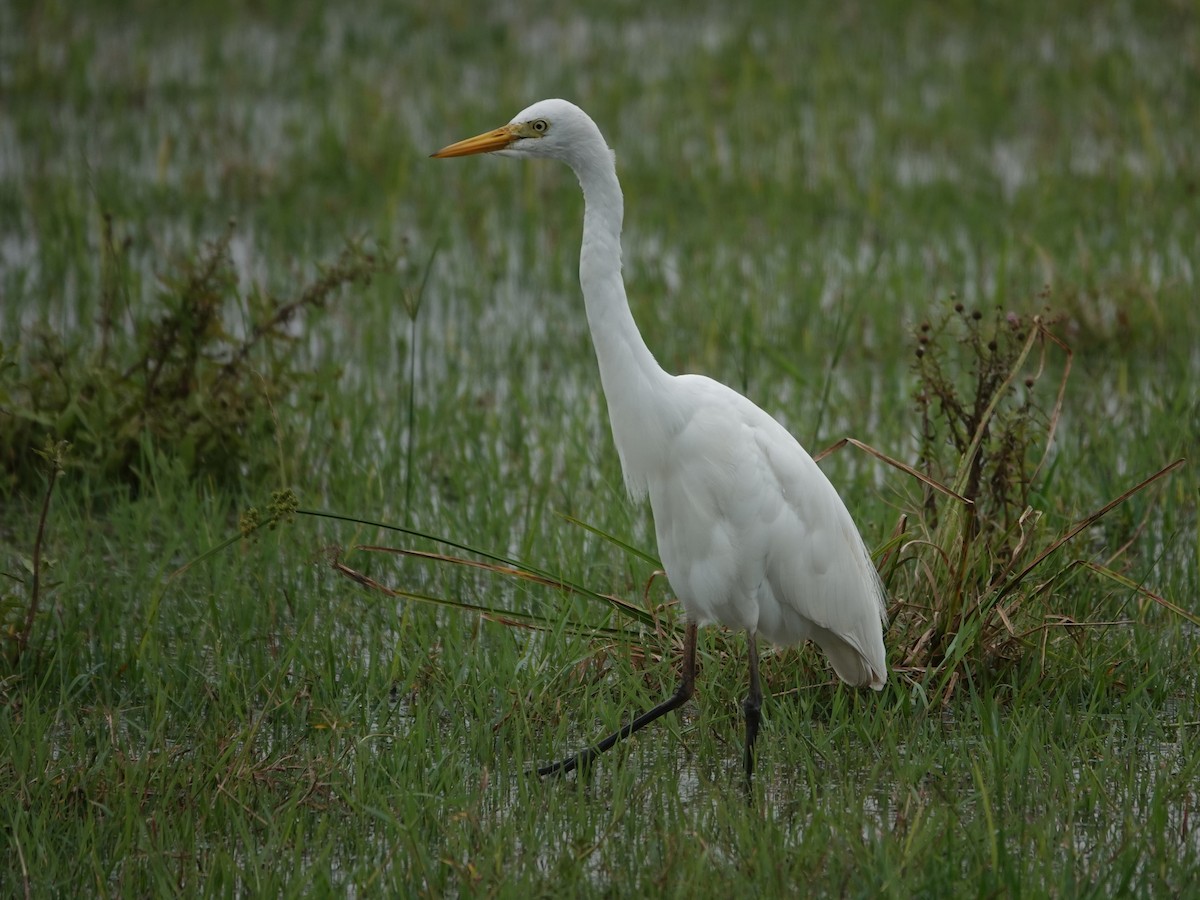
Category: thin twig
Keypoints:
(1082, 524)
(894, 463)
(501, 616)
(36, 586)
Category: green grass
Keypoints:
(804, 186)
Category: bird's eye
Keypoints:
(541, 126)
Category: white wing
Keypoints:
(754, 536)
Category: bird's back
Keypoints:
(753, 535)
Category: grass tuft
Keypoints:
(973, 549)
(195, 376)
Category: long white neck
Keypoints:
(631, 377)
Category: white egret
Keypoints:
(751, 533)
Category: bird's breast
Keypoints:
(714, 501)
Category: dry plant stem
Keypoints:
(24, 868)
(499, 569)
(895, 464)
(1081, 525)
(515, 619)
(1137, 588)
(687, 685)
(35, 592)
(1056, 412)
(752, 705)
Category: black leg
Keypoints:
(687, 684)
(752, 706)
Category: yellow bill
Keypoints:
(481, 143)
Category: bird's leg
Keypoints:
(687, 684)
(752, 706)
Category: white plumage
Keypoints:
(750, 531)
(753, 536)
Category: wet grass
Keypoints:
(803, 187)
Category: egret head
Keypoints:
(553, 129)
